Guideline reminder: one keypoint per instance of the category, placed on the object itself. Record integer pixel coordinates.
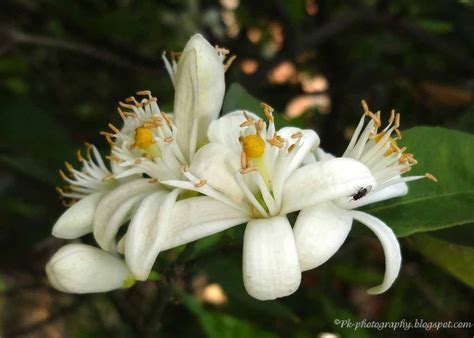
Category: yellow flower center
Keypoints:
(143, 138)
(253, 146)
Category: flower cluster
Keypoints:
(176, 178)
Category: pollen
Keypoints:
(253, 146)
(143, 138)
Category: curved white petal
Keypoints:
(216, 164)
(391, 248)
(324, 181)
(322, 155)
(114, 209)
(80, 268)
(392, 191)
(147, 230)
(226, 130)
(200, 87)
(198, 217)
(77, 220)
(319, 232)
(309, 140)
(270, 261)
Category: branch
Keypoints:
(369, 17)
(16, 36)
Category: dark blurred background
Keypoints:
(64, 65)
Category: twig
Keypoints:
(16, 36)
(369, 17)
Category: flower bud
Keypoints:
(80, 268)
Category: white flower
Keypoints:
(157, 146)
(321, 230)
(252, 173)
(87, 186)
(80, 268)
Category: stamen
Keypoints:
(247, 170)
(268, 111)
(243, 160)
(68, 166)
(431, 177)
(114, 128)
(259, 126)
(365, 106)
(88, 150)
(145, 93)
(397, 121)
(392, 116)
(63, 175)
(291, 148)
(200, 183)
(229, 62)
(297, 135)
(108, 177)
(125, 105)
(113, 158)
(120, 112)
(79, 155)
(168, 139)
(154, 181)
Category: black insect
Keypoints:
(361, 192)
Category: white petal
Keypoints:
(270, 261)
(200, 88)
(114, 209)
(391, 248)
(324, 181)
(392, 191)
(216, 164)
(198, 217)
(77, 220)
(80, 268)
(322, 155)
(319, 232)
(309, 140)
(226, 130)
(147, 230)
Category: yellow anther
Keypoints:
(248, 170)
(253, 146)
(291, 148)
(108, 177)
(63, 175)
(69, 166)
(120, 112)
(431, 177)
(143, 138)
(114, 128)
(154, 181)
(229, 62)
(296, 135)
(268, 111)
(243, 160)
(200, 183)
(364, 106)
(392, 116)
(79, 155)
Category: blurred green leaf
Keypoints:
(237, 98)
(436, 26)
(221, 325)
(456, 259)
(430, 206)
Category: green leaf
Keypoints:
(458, 260)
(237, 98)
(431, 206)
(221, 325)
